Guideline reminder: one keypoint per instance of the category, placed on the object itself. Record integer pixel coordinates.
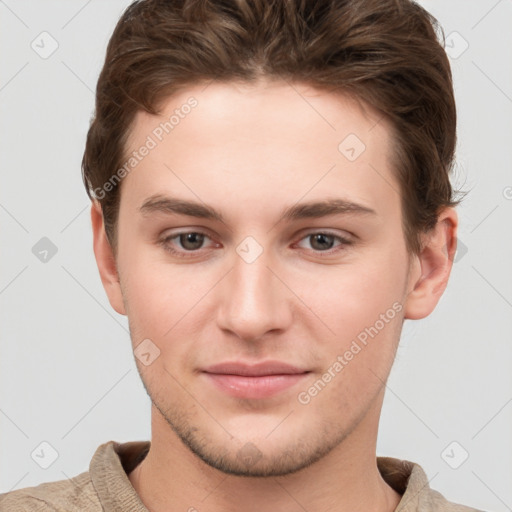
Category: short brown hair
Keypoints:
(383, 52)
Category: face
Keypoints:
(263, 225)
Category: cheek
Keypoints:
(152, 287)
(358, 360)
(348, 297)
(354, 296)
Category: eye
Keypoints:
(323, 242)
(190, 241)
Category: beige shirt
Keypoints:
(106, 487)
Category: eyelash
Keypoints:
(183, 254)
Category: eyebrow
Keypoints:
(310, 210)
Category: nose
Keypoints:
(254, 299)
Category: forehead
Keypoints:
(261, 143)
(264, 106)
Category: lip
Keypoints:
(254, 381)
(254, 370)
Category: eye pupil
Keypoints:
(195, 238)
(322, 237)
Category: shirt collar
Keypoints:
(112, 462)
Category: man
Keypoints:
(271, 200)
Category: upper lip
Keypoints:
(254, 370)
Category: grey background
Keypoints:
(67, 374)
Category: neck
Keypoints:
(347, 479)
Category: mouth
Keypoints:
(254, 381)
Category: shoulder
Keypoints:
(71, 495)
(434, 501)
(410, 480)
(430, 500)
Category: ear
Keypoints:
(105, 260)
(430, 270)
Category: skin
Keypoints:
(249, 151)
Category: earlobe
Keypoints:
(106, 261)
(431, 269)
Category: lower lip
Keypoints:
(254, 387)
